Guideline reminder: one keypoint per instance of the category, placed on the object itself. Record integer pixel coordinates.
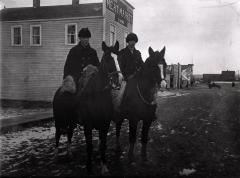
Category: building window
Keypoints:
(35, 35)
(71, 34)
(16, 35)
(124, 40)
(112, 35)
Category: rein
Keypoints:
(142, 98)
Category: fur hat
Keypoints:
(68, 85)
(85, 33)
(132, 37)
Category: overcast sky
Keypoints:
(205, 32)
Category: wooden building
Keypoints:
(35, 42)
(178, 75)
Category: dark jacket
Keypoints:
(78, 58)
(130, 62)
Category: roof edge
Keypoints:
(128, 4)
(51, 6)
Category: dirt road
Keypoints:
(195, 135)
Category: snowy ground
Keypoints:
(15, 112)
(196, 135)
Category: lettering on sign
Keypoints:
(122, 14)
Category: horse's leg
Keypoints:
(145, 129)
(132, 139)
(119, 122)
(57, 138)
(103, 147)
(88, 136)
(69, 135)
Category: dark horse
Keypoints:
(64, 111)
(139, 101)
(95, 104)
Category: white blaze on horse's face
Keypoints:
(163, 82)
(161, 70)
(120, 76)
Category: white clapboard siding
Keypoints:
(35, 72)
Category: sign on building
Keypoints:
(122, 14)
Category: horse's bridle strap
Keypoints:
(142, 98)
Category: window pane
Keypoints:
(36, 31)
(17, 40)
(36, 40)
(17, 35)
(36, 35)
(71, 29)
(17, 32)
(112, 36)
(72, 39)
(71, 34)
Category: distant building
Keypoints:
(228, 75)
(224, 76)
(35, 42)
(211, 77)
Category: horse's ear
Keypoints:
(162, 52)
(116, 46)
(150, 51)
(104, 46)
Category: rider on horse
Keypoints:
(130, 59)
(131, 62)
(80, 56)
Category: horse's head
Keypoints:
(109, 63)
(109, 50)
(155, 67)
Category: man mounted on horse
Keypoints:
(139, 92)
(93, 102)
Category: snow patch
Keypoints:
(186, 172)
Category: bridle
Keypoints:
(143, 99)
(150, 103)
(111, 76)
(115, 85)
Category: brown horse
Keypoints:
(139, 101)
(95, 107)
